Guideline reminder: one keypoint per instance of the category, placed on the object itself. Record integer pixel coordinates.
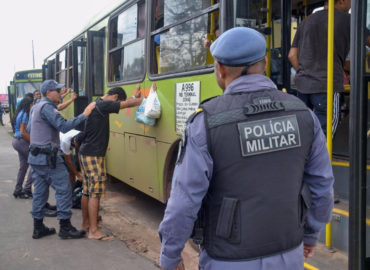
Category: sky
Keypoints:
(48, 23)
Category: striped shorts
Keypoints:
(94, 176)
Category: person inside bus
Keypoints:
(308, 55)
(94, 143)
(21, 143)
(261, 198)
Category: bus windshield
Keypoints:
(24, 88)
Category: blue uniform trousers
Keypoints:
(58, 179)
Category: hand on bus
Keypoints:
(89, 109)
(74, 96)
(154, 87)
(308, 251)
(207, 43)
(138, 91)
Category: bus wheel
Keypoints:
(169, 167)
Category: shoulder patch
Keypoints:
(193, 115)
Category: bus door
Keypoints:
(77, 76)
(359, 202)
(95, 64)
(270, 18)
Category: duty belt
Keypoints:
(51, 154)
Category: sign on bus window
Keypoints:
(187, 99)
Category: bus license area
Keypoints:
(269, 135)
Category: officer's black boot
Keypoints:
(68, 231)
(40, 230)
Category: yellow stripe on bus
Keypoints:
(346, 214)
(345, 164)
(310, 267)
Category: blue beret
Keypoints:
(239, 46)
(50, 85)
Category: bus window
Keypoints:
(175, 11)
(23, 88)
(61, 75)
(97, 46)
(180, 29)
(81, 51)
(127, 44)
(70, 67)
(50, 74)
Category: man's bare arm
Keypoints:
(133, 101)
(67, 103)
(293, 57)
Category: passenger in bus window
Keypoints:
(308, 55)
(94, 142)
(253, 183)
(48, 168)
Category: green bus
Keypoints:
(142, 41)
(25, 81)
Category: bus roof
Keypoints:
(101, 15)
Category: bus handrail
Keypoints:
(329, 114)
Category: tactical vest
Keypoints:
(256, 203)
(42, 133)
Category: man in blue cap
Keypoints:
(253, 180)
(47, 164)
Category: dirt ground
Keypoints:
(134, 218)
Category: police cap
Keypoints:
(50, 85)
(239, 46)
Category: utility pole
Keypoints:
(33, 55)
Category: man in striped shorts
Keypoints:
(308, 56)
(94, 142)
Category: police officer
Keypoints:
(253, 170)
(46, 162)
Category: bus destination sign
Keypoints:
(187, 99)
(28, 75)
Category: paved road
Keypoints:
(19, 251)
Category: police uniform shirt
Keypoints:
(51, 115)
(191, 181)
